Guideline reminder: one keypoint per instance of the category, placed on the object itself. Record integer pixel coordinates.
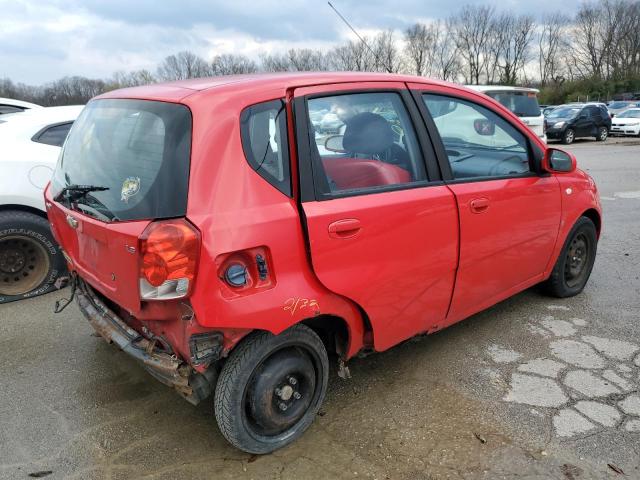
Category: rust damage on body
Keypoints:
(166, 368)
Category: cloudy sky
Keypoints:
(43, 40)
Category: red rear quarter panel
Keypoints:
(235, 209)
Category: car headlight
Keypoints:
(558, 124)
(633, 124)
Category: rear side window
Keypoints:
(10, 109)
(54, 135)
(263, 128)
(137, 151)
(363, 142)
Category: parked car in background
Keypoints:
(616, 108)
(548, 109)
(9, 105)
(196, 248)
(568, 122)
(627, 122)
(521, 101)
(30, 259)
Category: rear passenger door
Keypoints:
(382, 227)
(509, 213)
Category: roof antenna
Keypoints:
(358, 35)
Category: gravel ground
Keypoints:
(533, 388)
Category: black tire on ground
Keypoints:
(271, 388)
(602, 134)
(568, 136)
(575, 262)
(30, 259)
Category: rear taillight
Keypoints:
(169, 252)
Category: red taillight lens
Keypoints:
(169, 259)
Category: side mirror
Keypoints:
(334, 143)
(484, 127)
(558, 161)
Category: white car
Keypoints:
(627, 122)
(9, 105)
(30, 260)
(521, 101)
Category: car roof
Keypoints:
(501, 88)
(177, 91)
(18, 103)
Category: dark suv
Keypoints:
(568, 122)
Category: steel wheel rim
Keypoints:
(24, 264)
(577, 260)
(307, 384)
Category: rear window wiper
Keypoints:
(75, 192)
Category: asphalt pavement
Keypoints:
(533, 388)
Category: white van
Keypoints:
(521, 101)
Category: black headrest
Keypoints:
(367, 133)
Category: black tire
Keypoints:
(30, 259)
(602, 134)
(256, 381)
(568, 136)
(569, 275)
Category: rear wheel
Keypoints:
(568, 136)
(271, 388)
(30, 259)
(602, 135)
(575, 262)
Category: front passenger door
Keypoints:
(509, 214)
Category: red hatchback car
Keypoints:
(229, 232)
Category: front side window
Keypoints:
(265, 144)
(478, 142)
(54, 135)
(362, 141)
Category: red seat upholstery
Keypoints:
(348, 173)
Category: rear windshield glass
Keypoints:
(523, 104)
(126, 160)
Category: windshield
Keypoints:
(564, 112)
(135, 153)
(618, 104)
(523, 104)
(630, 114)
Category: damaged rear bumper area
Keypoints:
(166, 368)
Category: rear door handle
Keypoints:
(346, 228)
(479, 205)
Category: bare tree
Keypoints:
(183, 65)
(512, 37)
(552, 44)
(472, 28)
(353, 56)
(419, 47)
(306, 60)
(386, 54)
(446, 60)
(230, 64)
(131, 79)
(275, 62)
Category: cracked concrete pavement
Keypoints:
(533, 388)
